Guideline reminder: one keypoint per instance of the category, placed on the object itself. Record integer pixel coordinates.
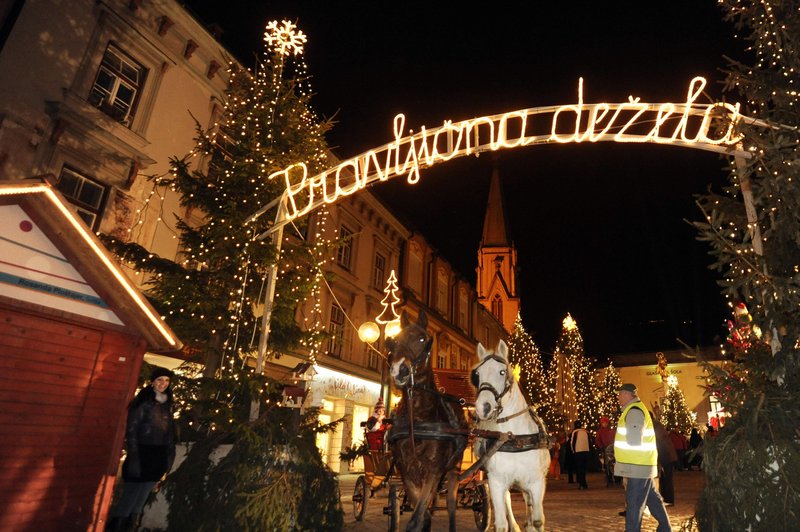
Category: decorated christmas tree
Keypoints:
(212, 295)
(524, 353)
(675, 413)
(583, 401)
(753, 465)
(552, 408)
(608, 404)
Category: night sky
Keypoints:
(600, 229)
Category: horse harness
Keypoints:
(516, 442)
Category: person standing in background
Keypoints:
(681, 446)
(579, 442)
(150, 447)
(604, 439)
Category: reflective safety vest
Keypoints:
(645, 454)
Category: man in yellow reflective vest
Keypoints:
(636, 458)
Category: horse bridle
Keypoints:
(481, 386)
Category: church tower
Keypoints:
(497, 261)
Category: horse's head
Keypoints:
(409, 350)
(493, 379)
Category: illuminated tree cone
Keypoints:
(675, 413)
(580, 393)
(390, 301)
(524, 353)
(608, 405)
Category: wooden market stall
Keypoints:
(73, 332)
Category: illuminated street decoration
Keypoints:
(689, 124)
(390, 301)
(284, 39)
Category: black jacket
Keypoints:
(149, 437)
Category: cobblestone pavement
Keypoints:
(566, 508)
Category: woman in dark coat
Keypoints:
(150, 446)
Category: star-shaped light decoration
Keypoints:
(284, 39)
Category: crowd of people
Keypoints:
(640, 454)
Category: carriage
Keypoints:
(380, 474)
(430, 434)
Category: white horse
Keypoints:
(523, 461)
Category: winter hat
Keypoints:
(379, 404)
(160, 372)
(627, 387)
(604, 419)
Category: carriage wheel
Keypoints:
(360, 498)
(480, 507)
(394, 509)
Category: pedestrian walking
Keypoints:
(667, 458)
(150, 447)
(579, 443)
(695, 455)
(636, 457)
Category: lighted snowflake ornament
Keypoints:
(284, 39)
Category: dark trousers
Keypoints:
(131, 502)
(581, 460)
(665, 484)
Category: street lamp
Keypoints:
(370, 332)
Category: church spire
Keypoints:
(497, 261)
(494, 223)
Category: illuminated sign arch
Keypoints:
(688, 124)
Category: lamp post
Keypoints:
(370, 332)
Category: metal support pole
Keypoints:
(269, 296)
(747, 197)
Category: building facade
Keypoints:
(98, 95)
(350, 374)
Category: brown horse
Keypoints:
(429, 430)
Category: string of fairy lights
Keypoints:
(244, 137)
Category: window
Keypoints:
(336, 329)
(84, 193)
(415, 272)
(379, 273)
(463, 308)
(117, 85)
(454, 357)
(372, 358)
(497, 308)
(441, 360)
(345, 251)
(441, 292)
